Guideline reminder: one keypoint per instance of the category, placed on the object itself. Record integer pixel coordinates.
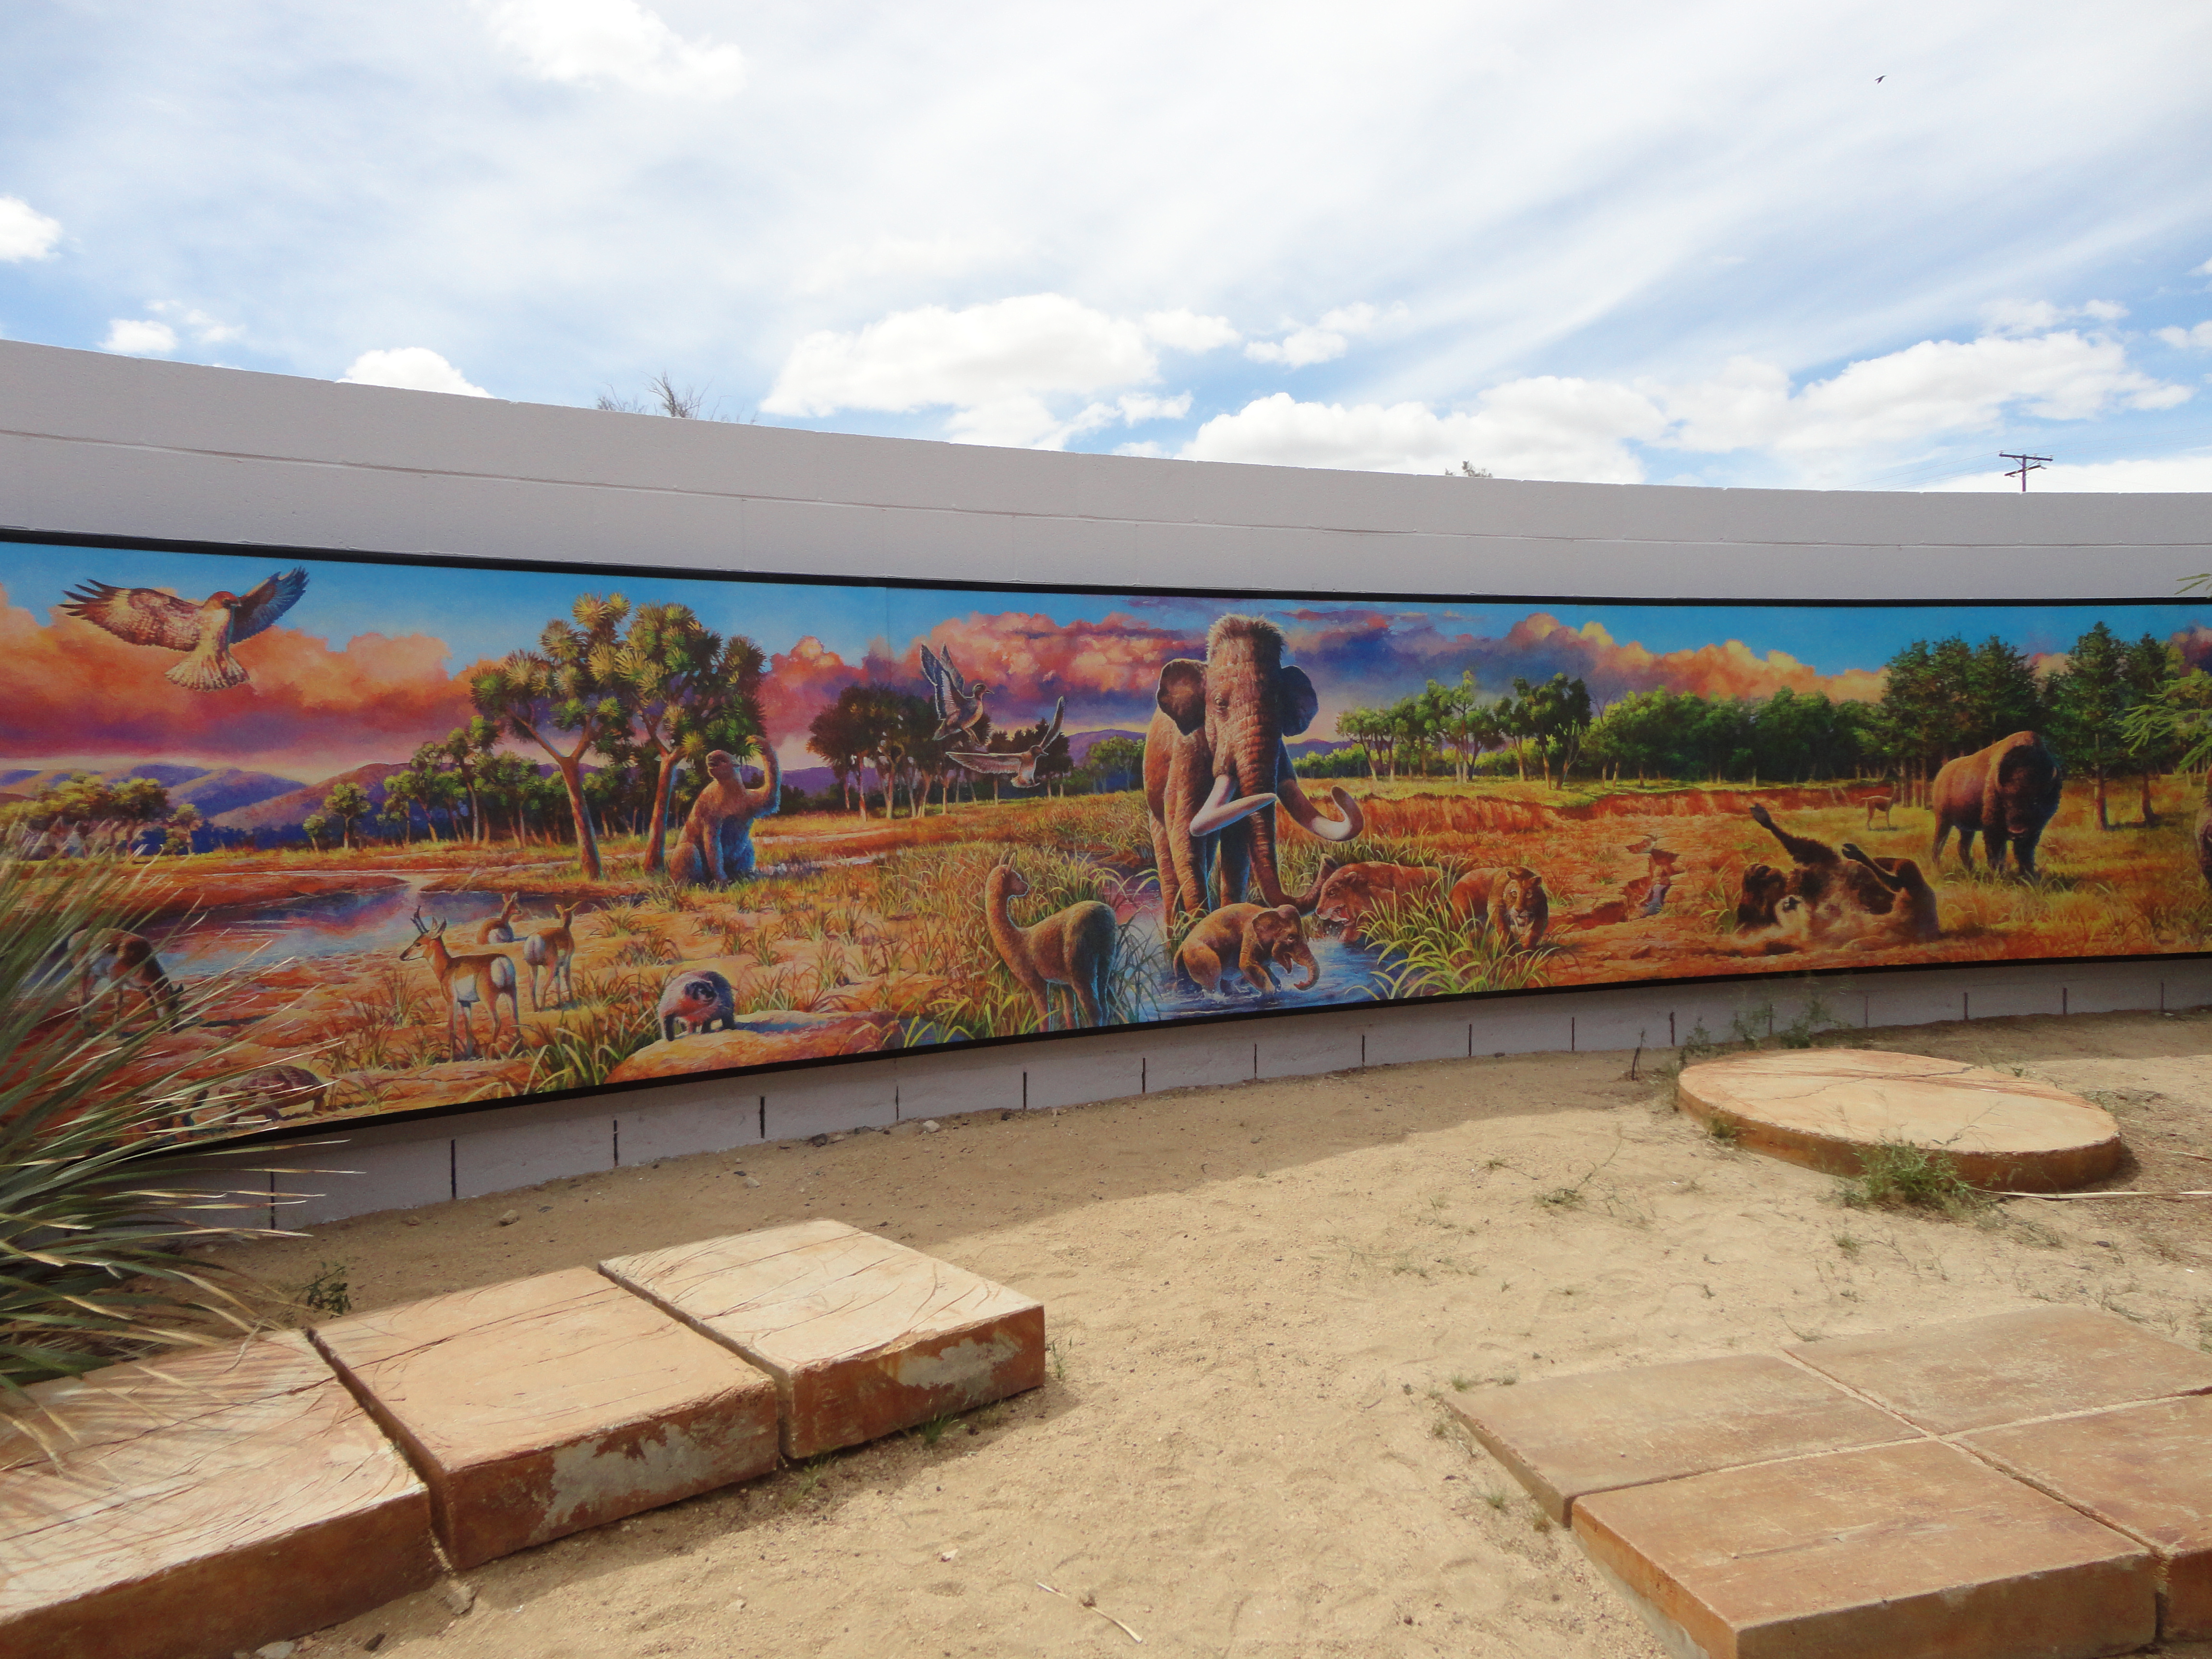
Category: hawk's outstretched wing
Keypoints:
(268, 602)
(976, 761)
(140, 615)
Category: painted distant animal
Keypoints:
(959, 702)
(550, 952)
(1355, 892)
(465, 980)
(204, 631)
(1021, 764)
(2007, 792)
(1072, 947)
(499, 929)
(1916, 917)
(716, 846)
(271, 1094)
(696, 999)
(1508, 901)
(1216, 768)
(1250, 939)
(121, 962)
(1880, 804)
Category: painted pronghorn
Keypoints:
(499, 929)
(549, 950)
(121, 961)
(1880, 804)
(480, 975)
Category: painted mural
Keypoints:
(420, 834)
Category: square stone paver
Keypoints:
(1916, 1551)
(540, 1406)
(863, 1336)
(1970, 1374)
(214, 1500)
(2145, 1469)
(1566, 1437)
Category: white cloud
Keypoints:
(1543, 426)
(2183, 474)
(2041, 316)
(26, 232)
(895, 256)
(1318, 345)
(1186, 331)
(208, 330)
(582, 41)
(2205, 270)
(139, 337)
(1027, 422)
(1936, 387)
(995, 362)
(2183, 338)
(411, 368)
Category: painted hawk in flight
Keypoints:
(205, 631)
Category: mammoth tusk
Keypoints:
(1303, 813)
(1219, 812)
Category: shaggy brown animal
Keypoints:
(1351, 893)
(716, 847)
(1072, 947)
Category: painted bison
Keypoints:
(2005, 792)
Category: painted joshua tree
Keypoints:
(1216, 768)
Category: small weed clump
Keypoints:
(1895, 1175)
(327, 1292)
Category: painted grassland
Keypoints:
(873, 935)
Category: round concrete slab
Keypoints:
(1824, 1108)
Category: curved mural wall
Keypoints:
(418, 835)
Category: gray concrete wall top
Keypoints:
(91, 443)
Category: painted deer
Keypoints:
(121, 961)
(549, 952)
(1880, 804)
(487, 976)
(499, 929)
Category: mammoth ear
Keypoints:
(1295, 699)
(1182, 695)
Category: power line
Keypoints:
(2027, 464)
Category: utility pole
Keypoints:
(2027, 464)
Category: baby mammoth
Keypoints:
(696, 999)
(1250, 939)
(1510, 901)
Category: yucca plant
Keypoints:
(97, 1202)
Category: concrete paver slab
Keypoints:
(2144, 1469)
(540, 1406)
(1916, 1551)
(1825, 1108)
(1972, 1374)
(218, 1499)
(1567, 1437)
(863, 1336)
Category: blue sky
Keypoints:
(1699, 243)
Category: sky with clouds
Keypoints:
(1865, 246)
(375, 657)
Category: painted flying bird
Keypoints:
(1022, 764)
(204, 632)
(959, 704)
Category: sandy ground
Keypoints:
(1258, 1297)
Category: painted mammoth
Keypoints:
(1216, 768)
(716, 846)
(2007, 792)
(1248, 940)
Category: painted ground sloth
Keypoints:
(2007, 792)
(1216, 768)
(1824, 878)
(716, 846)
(1510, 900)
(1250, 939)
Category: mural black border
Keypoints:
(326, 1129)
